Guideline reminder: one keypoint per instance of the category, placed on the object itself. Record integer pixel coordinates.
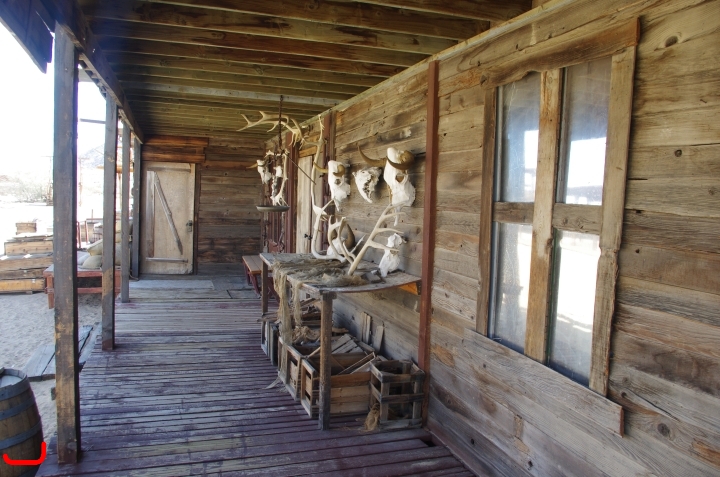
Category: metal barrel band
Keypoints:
(22, 437)
(14, 411)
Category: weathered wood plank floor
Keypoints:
(184, 394)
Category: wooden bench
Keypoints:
(49, 275)
(253, 271)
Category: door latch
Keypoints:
(189, 225)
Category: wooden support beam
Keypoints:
(429, 223)
(69, 16)
(137, 159)
(108, 255)
(250, 24)
(65, 254)
(196, 218)
(125, 217)
(542, 237)
(290, 215)
(490, 10)
(429, 216)
(352, 14)
(264, 290)
(486, 205)
(326, 316)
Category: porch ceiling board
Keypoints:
(198, 65)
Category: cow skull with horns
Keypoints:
(339, 187)
(395, 166)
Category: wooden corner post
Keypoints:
(135, 258)
(108, 255)
(65, 253)
(125, 217)
(428, 258)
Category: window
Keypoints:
(555, 154)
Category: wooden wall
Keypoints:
(486, 401)
(227, 222)
(393, 117)
(229, 191)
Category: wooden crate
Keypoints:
(22, 285)
(269, 333)
(397, 386)
(25, 227)
(290, 375)
(349, 393)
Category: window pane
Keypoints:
(587, 95)
(510, 290)
(571, 319)
(519, 118)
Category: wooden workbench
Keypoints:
(49, 275)
(326, 295)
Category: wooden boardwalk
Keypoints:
(184, 394)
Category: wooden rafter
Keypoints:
(352, 14)
(253, 24)
(491, 10)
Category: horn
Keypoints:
(320, 169)
(406, 159)
(372, 162)
(340, 172)
(258, 163)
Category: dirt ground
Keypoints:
(26, 323)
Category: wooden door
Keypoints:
(303, 227)
(167, 220)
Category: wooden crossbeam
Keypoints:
(253, 24)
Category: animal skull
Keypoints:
(396, 164)
(391, 258)
(262, 167)
(366, 181)
(339, 188)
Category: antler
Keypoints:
(371, 239)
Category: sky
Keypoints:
(26, 107)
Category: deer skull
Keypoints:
(366, 181)
(263, 168)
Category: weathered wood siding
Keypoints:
(229, 223)
(665, 364)
(395, 117)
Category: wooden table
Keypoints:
(49, 275)
(326, 295)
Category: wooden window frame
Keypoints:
(544, 214)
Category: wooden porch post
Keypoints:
(125, 217)
(135, 261)
(326, 315)
(65, 253)
(108, 256)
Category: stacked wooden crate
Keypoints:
(26, 256)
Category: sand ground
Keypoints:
(26, 323)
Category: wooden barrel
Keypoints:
(20, 426)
